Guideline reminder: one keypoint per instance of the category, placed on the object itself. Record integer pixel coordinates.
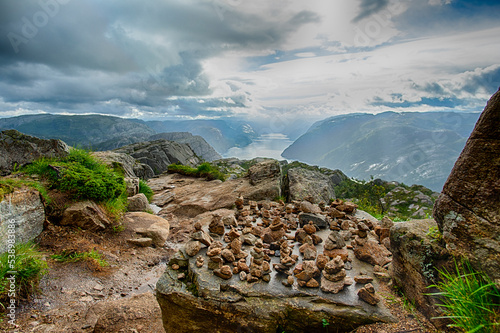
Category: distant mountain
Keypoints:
(220, 134)
(409, 147)
(94, 131)
(107, 132)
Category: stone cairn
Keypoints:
(264, 227)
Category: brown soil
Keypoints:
(85, 297)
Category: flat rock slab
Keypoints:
(203, 302)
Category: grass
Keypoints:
(29, 267)
(470, 299)
(146, 190)
(204, 170)
(7, 185)
(73, 256)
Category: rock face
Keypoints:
(309, 183)
(24, 210)
(195, 142)
(159, 154)
(17, 149)
(416, 258)
(467, 211)
(131, 168)
(266, 176)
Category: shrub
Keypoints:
(145, 189)
(29, 266)
(470, 299)
(81, 175)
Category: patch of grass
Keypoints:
(7, 185)
(470, 299)
(73, 256)
(29, 267)
(144, 188)
(204, 170)
(435, 234)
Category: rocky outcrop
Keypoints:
(138, 203)
(195, 142)
(86, 215)
(410, 201)
(131, 168)
(416, 257)
(21, 215)
(228, 305)
(159, 154)
(309, 183)
(467, 211)
(17, 149)
(266, 178)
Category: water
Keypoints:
(267, 145)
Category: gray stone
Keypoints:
(131, 168)
(138, 203)
(309, 183)
(17, 149)
(197, 143)
(22, 212)
(317, 219)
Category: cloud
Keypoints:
(370, 7)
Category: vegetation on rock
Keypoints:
(204, 170)
(146, 190)
(380, 198)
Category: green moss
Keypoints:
(146, 190)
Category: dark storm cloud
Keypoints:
(62, 52)
(370, 7)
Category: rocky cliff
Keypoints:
(159, 154)
(195, 142)
(468, 209)
(17, 149)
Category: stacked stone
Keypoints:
(335, 246)
(274, 232)
(214, 253)
(308, 250)
(198, 237)
(368, 294)
(259, 269)
(266, 217)
(311, 229)
(332, 280)
(290, 217)
(286, 260)
(216, 226)
(306, 272)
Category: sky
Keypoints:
(262, 60)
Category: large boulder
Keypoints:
(86, 215)
(211, 304)
(159, 154)
(17, 149)
(150, 226)
(309, 183)
(131, 168)
(265, 177)
(416, 257)
(467, 211)
(195, 142)
(21, 211)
